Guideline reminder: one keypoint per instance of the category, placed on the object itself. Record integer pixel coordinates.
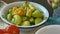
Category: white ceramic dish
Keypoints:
(51, 29)
(38, 6)
(25, 29)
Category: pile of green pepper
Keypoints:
(25, 15)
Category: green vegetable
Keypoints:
(10, 10)
(26, 23)
(38, 20)
(54, 5)
(56, 1)
(25, 15)
(21, 7)
(29, 13)
(12, 20)
(9, 17)
(25, 5)
(31, 20)
(16, 19)
(32, 7)
(37, 13)
(25, 19)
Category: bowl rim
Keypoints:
(26, 26)
(46, 27)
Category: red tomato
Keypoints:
(14, 29)
(4, 30)
(7, 33)
(1, 31)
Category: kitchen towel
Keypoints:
(53, 21)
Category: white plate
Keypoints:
(51, 29)
(38, 6)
